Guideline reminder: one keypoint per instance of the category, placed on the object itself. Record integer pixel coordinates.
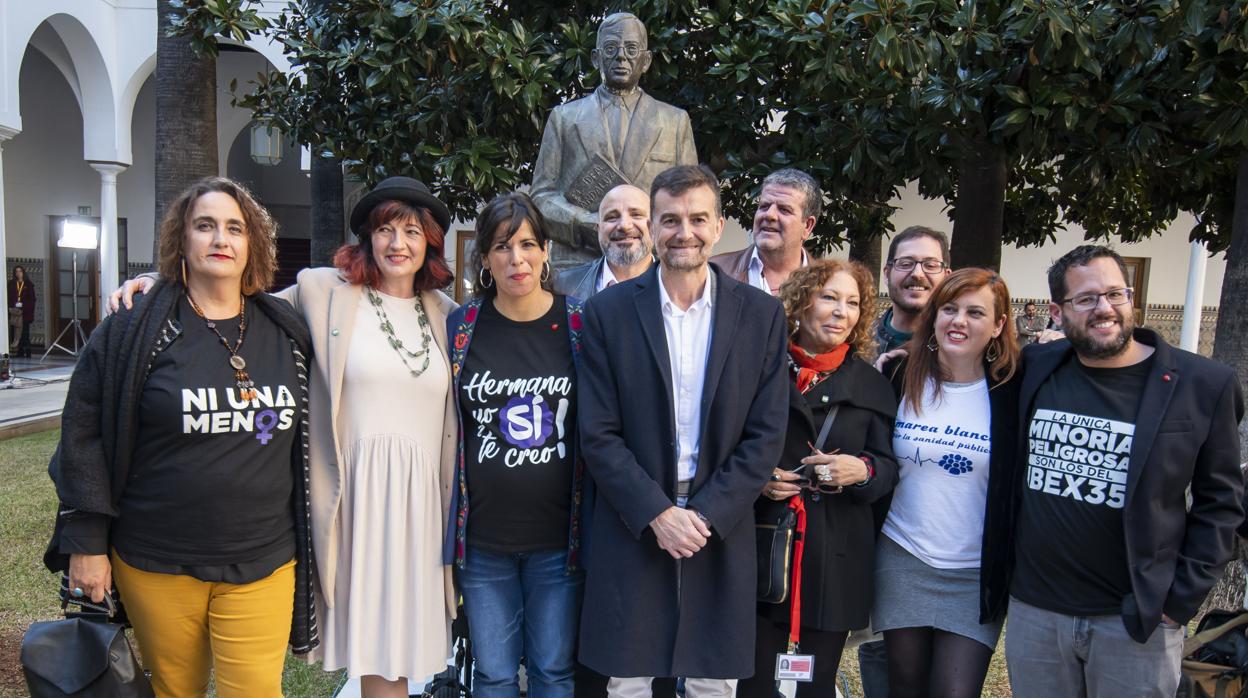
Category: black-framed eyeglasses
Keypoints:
(630, 51)
(931, 265)
(1087, 301)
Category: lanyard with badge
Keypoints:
(20, 286)
(791, 666)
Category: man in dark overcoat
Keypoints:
(683, 401)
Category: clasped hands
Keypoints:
(680, 532)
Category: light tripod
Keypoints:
(77, 236)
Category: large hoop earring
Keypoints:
(184, 272)
(993, 352)
(481, 277)
(545, 271)
(931, 343)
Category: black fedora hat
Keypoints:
(403, 189)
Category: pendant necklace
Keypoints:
(426, 336)
(246, 388)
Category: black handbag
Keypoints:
(84, 655)
(775, 537)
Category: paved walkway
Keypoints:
(33, 399)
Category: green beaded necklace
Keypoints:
(397, 344)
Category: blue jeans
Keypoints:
(873, 668)
(521, 605)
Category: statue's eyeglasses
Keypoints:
(630, 51)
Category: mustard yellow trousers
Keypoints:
(185, 627)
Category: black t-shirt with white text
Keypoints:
(1070, 552)
(210, 487)
(517, 397)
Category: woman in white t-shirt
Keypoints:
(940, 561)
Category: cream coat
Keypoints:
(329, 304)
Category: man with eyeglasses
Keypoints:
(918, 258)
(1111, 559)
(617, 135)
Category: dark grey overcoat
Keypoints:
(645, 614)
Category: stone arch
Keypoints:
(73, 49)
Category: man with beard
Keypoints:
(918, 258)
(682, 381)
(1111, 561)
(1029, 325)
(788, 207)
(623, 235)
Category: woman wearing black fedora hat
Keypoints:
(383, 439)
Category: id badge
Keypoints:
(795, 667)
(18, 304)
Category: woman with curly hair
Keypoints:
(182, 468)
(941, 563)
(838, 459)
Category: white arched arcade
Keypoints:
(106, 54)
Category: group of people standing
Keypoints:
(583, 456)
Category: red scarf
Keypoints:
(811, 366)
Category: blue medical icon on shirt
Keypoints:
(955, 464)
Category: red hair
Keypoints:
(923, 365)
(358, 266)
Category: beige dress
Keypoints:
(389, 616)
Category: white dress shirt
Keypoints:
(756, 271)
(606, 277)
(688, 348)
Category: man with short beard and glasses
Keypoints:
(918, 258)
(623, 235)
(788, 207)
(1111, 560)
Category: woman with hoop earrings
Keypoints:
(941, 563)
(515, 534)
(182, 467)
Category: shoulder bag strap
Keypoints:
(827, 426)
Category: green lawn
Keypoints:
(28, 591)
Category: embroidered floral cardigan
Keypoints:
(460, 326)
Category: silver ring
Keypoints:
(77, 592)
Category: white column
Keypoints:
(108, 230)
(1193, 303)
(5, 134)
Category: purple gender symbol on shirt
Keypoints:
(265, 426)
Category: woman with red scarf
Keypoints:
(838, 459)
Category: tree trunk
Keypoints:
(327, 213)
(980, 209)
(865, 248)
(1228, 347)
(186, 116)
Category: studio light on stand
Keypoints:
(74, 235)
